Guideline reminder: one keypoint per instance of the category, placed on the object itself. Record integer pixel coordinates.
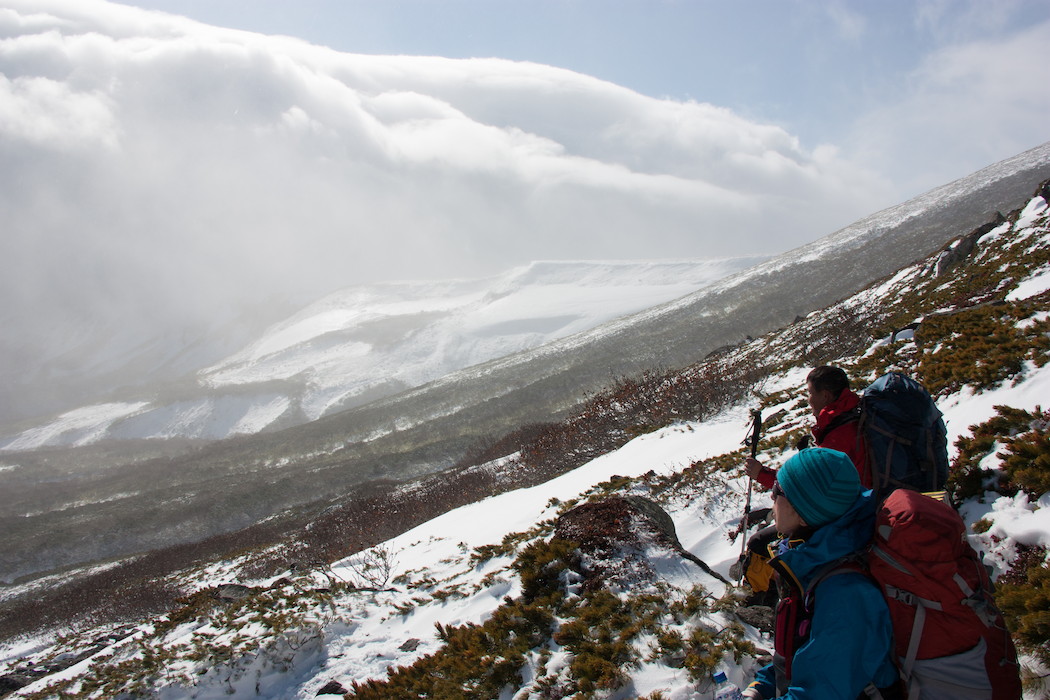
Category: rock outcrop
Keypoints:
(615, 536)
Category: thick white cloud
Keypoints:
(51, 115)
(158, 172)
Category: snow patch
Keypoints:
(77, 427)
(1033, 211)
(1033, 285)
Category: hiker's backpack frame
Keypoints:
(905, 437)
(951, 638)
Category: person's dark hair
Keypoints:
(828, 378)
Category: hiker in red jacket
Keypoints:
(835, 407)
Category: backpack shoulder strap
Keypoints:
(849, 564)
(850, 416)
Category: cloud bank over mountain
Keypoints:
(163, 176)
(149, 150)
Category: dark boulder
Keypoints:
(961, 249)
(232, 591)
(332, 688)
(1044, 190)
(12, 682)
(758, 616)
(615, 534)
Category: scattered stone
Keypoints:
(1044, 191)
(962, 249)
(907, 331)
(410, 645)
(675, 659)
(758, 616)
(72, 658)
(232, 591)
(114, 635)
(332, 688)
(12, 682)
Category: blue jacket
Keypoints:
(850, 642)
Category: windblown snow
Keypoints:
(364, 343)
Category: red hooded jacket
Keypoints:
(842, 437)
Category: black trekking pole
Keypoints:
(751, 440)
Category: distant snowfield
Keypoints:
(417, 331)
(366, 342)
(77, 427)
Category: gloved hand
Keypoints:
(751, 694)
(758, 516)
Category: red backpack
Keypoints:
(951, 640)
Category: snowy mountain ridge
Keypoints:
(403, 350)
(482, 602)
(465, 322)
(770, 293)
(69, 507)
(367, 342)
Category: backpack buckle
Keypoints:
(902, 595)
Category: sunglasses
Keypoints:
(777, 491)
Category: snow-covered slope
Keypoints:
(361, 635)
(396, 604)
(367, 342)
(369, 647)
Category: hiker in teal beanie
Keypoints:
(818, 485)
(834, 637)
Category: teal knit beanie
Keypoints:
(821, 484)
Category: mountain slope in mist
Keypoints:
(76, 505)
(541, 382)
(367, 342)
(492, 600)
